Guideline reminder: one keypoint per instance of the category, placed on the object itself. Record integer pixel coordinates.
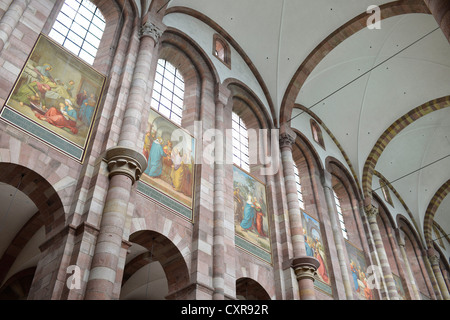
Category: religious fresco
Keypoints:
(358, 269)
(250, 214)
(399, 286)
(170, 152)
(314, 246)
(55, 98)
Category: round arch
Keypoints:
(356, 24)
(249, 289)
(161, 249)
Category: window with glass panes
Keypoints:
(240, 143)
(168, 91)
(340, 215)
(299, 187)
(79, 28)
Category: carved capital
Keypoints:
(371, 211)
(125, 161)
(286, 140)
(150, 30)
(305, 267)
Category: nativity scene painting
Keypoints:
(250, 210)
(314, 246)
(170, 153)
(59, 92)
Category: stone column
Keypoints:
(337, 235)
(372, 213)
(10, 19)
(125, 165)
(218, 268)
(304, 267)
(433, 256)
(434, 284)
(412, 281)
(440, 9)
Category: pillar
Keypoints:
(10, 19)
(433, 256)
(218, 268)
(125, 165)
(372, 213)
(440, 9)
(337, 235)
(412, 281)
(434, 284)
(304, 267)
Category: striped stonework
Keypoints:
(372, 213)
(391, 132)
(344, 32)
(431, 210)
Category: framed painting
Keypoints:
(314, 246)
(250, 215)
(169, 176)
(55, 98)
(358, 268)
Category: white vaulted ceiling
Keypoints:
(277, 37)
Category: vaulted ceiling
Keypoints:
(365, 80)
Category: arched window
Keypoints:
(299, 187)
(79, 28)
(340, 215)
(240, 143)
(221, 50)
(168, 91)
(317, 133)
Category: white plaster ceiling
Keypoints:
(277, 36)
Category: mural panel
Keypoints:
(169, 176)
(399, 285)
(358, 269)
(55, 98)
(314, 246)
(250, 214)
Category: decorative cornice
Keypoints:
(125, 161)
(149, 29)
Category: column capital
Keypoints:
(433, 256)
(286, 140)
(149, 29)
(125, 161)
(305, 267)
(222, 93)
(371, 211)
(400, 237)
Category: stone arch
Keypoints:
(196, 68)
(249, 289)
(433, 206)
(205, 19)
(332, 41)
(161, 249)
(389, 134)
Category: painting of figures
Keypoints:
(358, 268)
(314, 245)
(170, 153)
(59, 92)
(250, 209)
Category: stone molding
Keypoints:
(305, 267)
(125, 161)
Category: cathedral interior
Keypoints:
(224, 150)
